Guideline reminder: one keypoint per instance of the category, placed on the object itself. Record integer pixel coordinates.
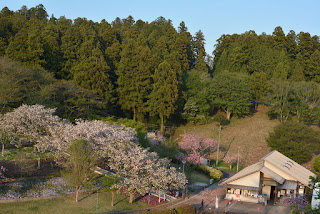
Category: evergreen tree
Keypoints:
(258, 85)
(313, 69)
(134, 77)
(164, 94)
(279, 38)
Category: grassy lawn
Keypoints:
(9, 154)
(192, 174)
(68, 205)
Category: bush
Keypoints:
(212, 172)
(143, 140)
(138, 126)
(295, 140)
(221, 119)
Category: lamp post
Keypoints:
(218, 146)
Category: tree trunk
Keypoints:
(228, 115)
(38, 159)
(112, 199)
(131, 198)
(2, 151)
(77, 192)
(162, 123)
(134, 114)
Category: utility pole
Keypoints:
(218, 146)
(238, 159)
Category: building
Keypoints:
(273, 177)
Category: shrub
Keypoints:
(220, 118)
(212, 172)
(143, 140)
(138, 126)
(316, 163)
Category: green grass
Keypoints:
(192, 174)
(68, 205)
(226, 167)
(9, 154)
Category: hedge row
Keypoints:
(212, 172)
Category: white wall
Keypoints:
(250, 180)
(266, 190)
(315, 202)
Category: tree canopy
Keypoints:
(295, 140)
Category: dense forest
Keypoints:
(153, 72)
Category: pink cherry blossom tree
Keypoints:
(196, 147)
(230, 160)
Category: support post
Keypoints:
(217, 161)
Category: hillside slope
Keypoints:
(248, 133)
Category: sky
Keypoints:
(212, 17)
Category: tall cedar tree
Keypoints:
(134, 77)
(165, 93)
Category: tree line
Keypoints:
(153, 72)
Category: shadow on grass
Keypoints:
(121, 200)
(92, 193)
(227, 150)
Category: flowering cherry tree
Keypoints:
(142, 171)
(28, 124)
(196, 147)
(103, 136)
(230, 160)
(138, 169)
